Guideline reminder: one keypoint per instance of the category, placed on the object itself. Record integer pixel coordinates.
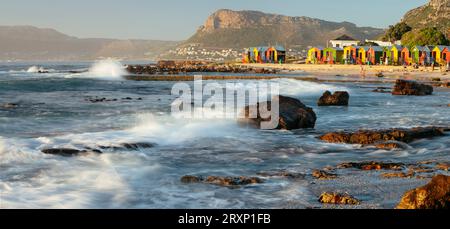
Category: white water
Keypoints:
(107, 69)
(35, 69)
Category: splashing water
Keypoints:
(107, 69)
(35, 69)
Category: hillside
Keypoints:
(436, 13)
(238, 29)
(31, 43)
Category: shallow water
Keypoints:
(54, 111)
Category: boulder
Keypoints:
(339, 98)
(407, 87)
(434, 195)
(337, 198)
(293, 114)
(368, 137)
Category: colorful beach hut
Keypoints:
(374, 55)
(395, 54)
(446, 55)
(405, 56)
(333, 55)
(275, 54)
(350, 54)
(362, 53)
(386, 55)
(420, 55)
(314, 55)
(437, 52)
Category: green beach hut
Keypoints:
(420, 54)
(387, 55)
(333, 55)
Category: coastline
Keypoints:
(354, 71)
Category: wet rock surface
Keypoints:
(339, 98)
(67, 152)
(389, 145)
(323, 175)
(177, 67)
(434, 195)
(128, 146)
(407, 87)
(338, 198)
(282, 174)
(369, 137)
(293, 114)
(9, 105)
(222, 181)
(103, 99)
(371, 165)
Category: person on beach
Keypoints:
(362, 71)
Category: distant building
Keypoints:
(343, 41)
(384, 43)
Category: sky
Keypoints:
(179, 19)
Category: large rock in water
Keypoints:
(407, 87)
(368, 137)
(293, 114)
(434, 195)
(339, 98)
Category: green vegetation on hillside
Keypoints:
(396, 32)
(426, 36)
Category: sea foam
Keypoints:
(107, 69)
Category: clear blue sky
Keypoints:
(178, 19)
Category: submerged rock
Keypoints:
(410, 174)
(443, 166)
(222, 181)
(434, 195)
(68, 152)
(371, 165)
(293, 114)
(323, 175)
(368, 137)
(339, 98)
(9, 105)
(407, 87)
(391, 145)
(337, 198)
(284, 174)
(129, 146)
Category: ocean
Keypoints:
(55, 109)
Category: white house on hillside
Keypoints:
(344, 41)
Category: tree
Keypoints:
(426, 36)
(396, 32)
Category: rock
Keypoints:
(339, 98)
(371, 165)
(379, 75)
(285, 174)
(381, 90)
(129, 146)
(222, 181)
(323, 175)
(9, 105)
(398, 175)
(336, 198)
(443, 166)
(445, 84)
(391, 145)
(436, 79)
(293, 114)
(406, 87)
(420, 169)
(368, 137)
(434, 195)
(68, 152)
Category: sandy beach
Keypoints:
(421, 74)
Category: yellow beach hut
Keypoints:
(396, 53)
(362, 53)
(350, 54)
(437, 52)
(333, 55)
(314, 55)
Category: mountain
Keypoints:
(436, 13)
(31, 43)
(238, 29)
